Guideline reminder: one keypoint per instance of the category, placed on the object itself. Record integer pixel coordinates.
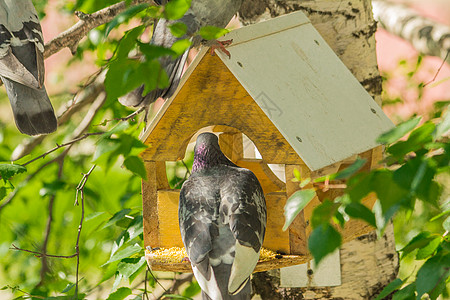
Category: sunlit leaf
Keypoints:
(125, 16)
(128, 266)
(444, 126)
(212, 32)
(429, 249)
(179, 47)
(117, 217)
(420, 240)
(124, 253)
(295, 204)
(175, 9)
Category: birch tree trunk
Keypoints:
(368, 264)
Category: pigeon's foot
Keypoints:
(185, 259)
(220, 45)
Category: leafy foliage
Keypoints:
(418, 164)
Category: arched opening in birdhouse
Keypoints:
(239, 148)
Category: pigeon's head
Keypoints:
(207, 152)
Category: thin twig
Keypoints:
(63, 145)
(51, 204)
(438, 70)
(40, 254)
(80, 190)
(130, 116)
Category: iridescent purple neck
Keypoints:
(207, 156)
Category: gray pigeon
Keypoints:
(22, 67)
(201, 13)
(222, 216)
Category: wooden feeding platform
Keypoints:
(287, 91)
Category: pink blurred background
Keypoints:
(390, 51)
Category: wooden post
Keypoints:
(297, 230)
(156, 180)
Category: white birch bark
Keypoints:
(427, 36)
(367, 264)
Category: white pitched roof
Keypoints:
(305, 89)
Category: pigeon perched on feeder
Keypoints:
(222, 216)
(201, 13)
(22, 67)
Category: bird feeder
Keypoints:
(287, 91)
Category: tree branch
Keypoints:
(427, 36)
(72, 36)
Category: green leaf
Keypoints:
(297, 175)
(124, 16)
(124, 253)
(212, 32)
(323, 240)
(446, 224)
(406, 293)
(174, 296)
(117, 217)
(179, 47)
(9, 170)
(154, 51)
(323, 213)
(444, 126)
(2, 192)
(175, 9)
(68, 287)
(416, 140)
(128, 266)
(390, 194)
(178, 29)
(398, 132)
(420, 240)
(295, 204)
(429, 249)
(393, 286)
(432, 273)
(120, 294)
(50, 189)
(192, 290)
(359, 211)
(136, 165)
(129, 41)
(346, 173)
(417, 176)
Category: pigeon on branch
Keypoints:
(202, 13)
(22, 67)
(222, 216)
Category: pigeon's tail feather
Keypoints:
(33, 111)
(244, 294)
(174, 70)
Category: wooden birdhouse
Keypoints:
(287, 91)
